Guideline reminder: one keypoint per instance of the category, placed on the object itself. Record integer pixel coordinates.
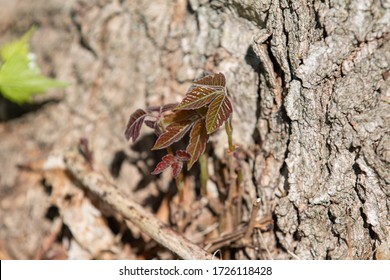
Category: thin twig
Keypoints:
(252, 220)
(204, 173)
(265, 245)
(131, 210)
(225, 240)
(49, 240)
(251, 225)
(293, 255)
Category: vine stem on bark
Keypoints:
(145, 221)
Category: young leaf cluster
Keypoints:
(20, 77)
(202, 111)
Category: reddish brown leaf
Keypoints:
(179, 116)
(168, 107)
(169, 158)
(219, 111)
(150, 123)
(183, 155)
(134, 125)
(176, 168)
(163, 108)
(153, 124)
(173, 133)
(166, 161)
(197, 98)
(157, 130)
(169, 161)
(153, 109)
(213, 80)
(198, 140)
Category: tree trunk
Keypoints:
(309, 83)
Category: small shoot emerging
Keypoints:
(204, 109)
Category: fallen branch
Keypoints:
(148, 223)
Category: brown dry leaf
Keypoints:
(23, 207)
(163, 210)
(85, 221)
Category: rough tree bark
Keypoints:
(310, 85)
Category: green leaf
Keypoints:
(20, 78)
(174, 133)
(197, 98)
(198, 140)
(219, 111)
(18, 82)
(18, 47)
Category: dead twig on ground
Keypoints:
(252, 220)
(49, 240)
(147, 222)
(252, 225)
(225, 240)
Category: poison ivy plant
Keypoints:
(175, 162)
(20, 77)
(204, 109)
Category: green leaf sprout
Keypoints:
(20, 77)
